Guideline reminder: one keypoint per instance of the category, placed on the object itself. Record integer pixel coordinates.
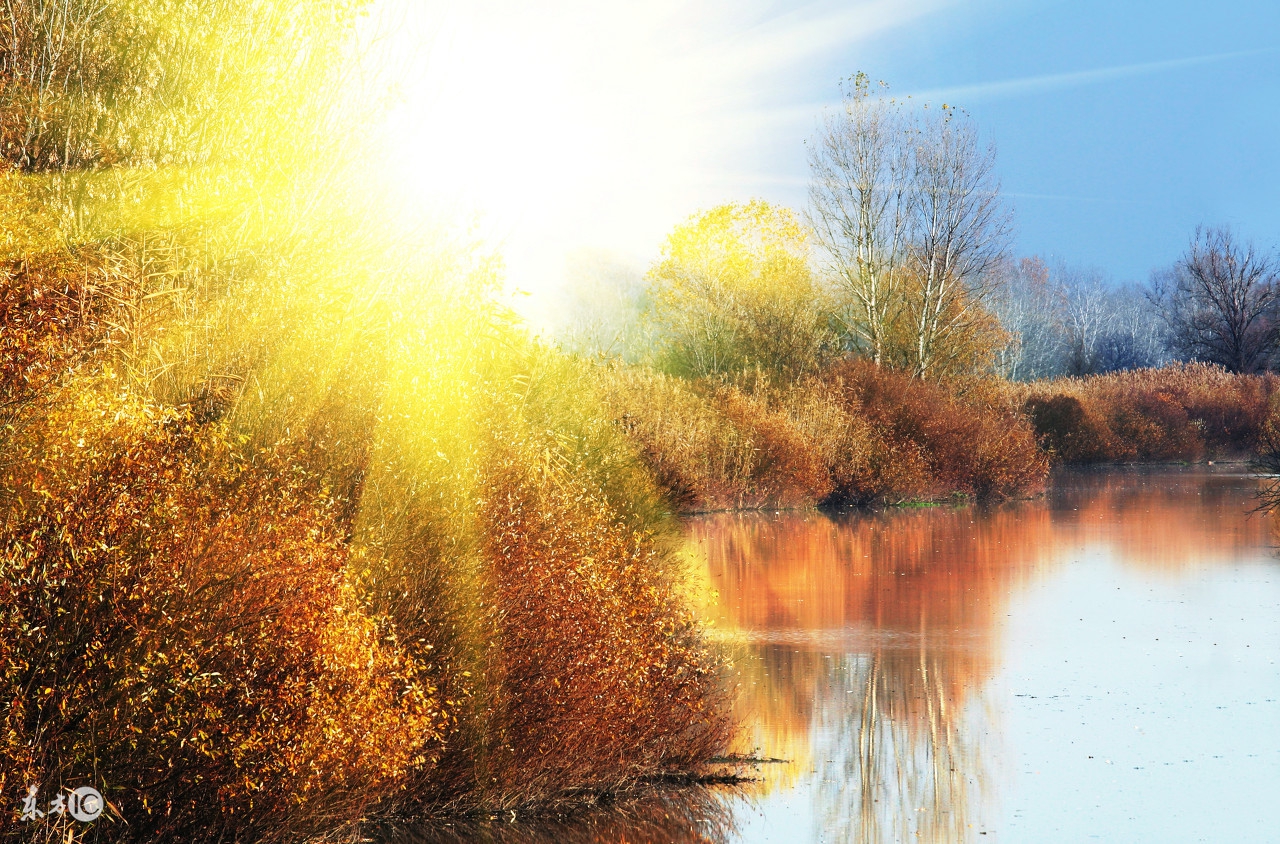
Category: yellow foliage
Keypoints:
(733, 291)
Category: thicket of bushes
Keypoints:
(180, 629)
(858, 433)
(854, 433)
(283, 548)
(1180, 412)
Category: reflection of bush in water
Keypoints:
(878, 571)
(890, 585)
(1160, 519)
(918, 597)
(775, 706)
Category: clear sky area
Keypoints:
(577, 127)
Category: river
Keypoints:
(1096, 664)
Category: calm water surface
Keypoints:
(1099, 664)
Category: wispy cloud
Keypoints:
(1029, 85)
(817, 28)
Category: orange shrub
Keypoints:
(178, 630)
(1181, 412)
(596, 676)
(49, 318)
(927, 442)
(786, 469)
(837, 432)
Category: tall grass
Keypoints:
(1183, 412)
(714, 446)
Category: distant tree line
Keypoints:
(1218, 303)
(902, 257)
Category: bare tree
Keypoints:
(906, 210)
(1134, 337)
(960, 232)
(1222, 302)
(860, 208)
(1072, 321)
(1032, 310)
(1086, 318)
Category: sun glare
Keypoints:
(554, 129)
(488, 121)
(577, 126)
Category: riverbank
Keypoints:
(860, 434)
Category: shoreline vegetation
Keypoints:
(301, 529)
(861, 435)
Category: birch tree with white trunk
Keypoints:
(860, 208)
(906, 210)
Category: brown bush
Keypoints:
(596, 677)
(178, 630)
(1067, 432)
(837, 432)
(856, 433)
(927, 442)
(1182, 412)
(50, 317)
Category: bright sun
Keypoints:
(564, 126)
(489, 119)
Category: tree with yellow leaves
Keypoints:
(733, 292)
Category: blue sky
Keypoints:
(576, 127)
(1120, 126)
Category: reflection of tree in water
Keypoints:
(689, 815)
(896, 759)
(871, 634)
(866, 639)
(874, 634)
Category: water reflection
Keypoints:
(896, 763)
(1161, 519)
(874, 651)
(867, 633)
(867, 638)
